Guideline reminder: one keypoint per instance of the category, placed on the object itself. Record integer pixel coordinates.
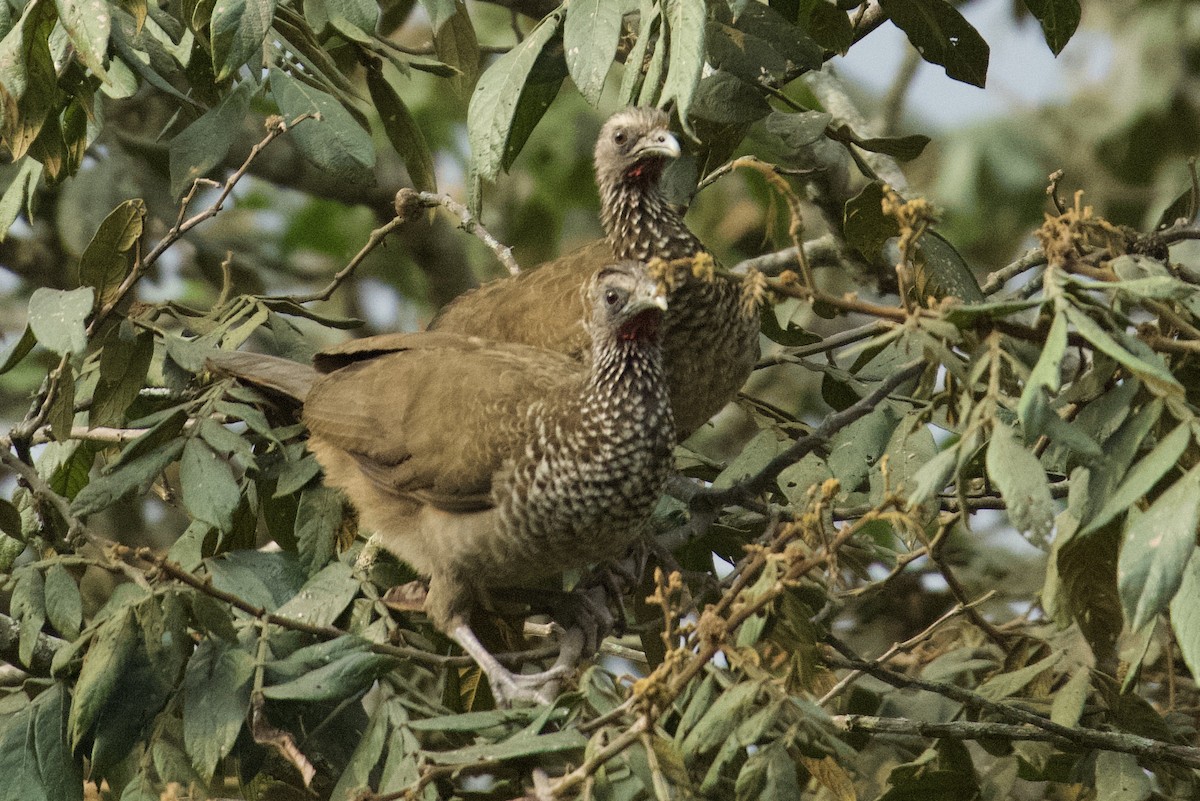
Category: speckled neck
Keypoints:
(641, 223)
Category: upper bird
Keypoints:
(487, 464)
(710, 331)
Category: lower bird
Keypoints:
(486, 464)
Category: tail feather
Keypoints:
(281, 376)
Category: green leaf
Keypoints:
(798, 130)
(362, 14)
(632, 81)
(324, 597)
(123, 366)
(1045, 374)
(1184, 207)
(1144, 475)
(439, 12)
(142, 788)
(1068, 703)
(1151, 369)
(796, 480)
(720, 720)
(1005, 685)
(519, 746)
(904, 148)
(933, 477)
(866, 227)
(685, 32)
(103, 666)
(1185, 614)
(294, 476)
(724, 98)
(28, 79)
(1119, 777)
(1022, 483)
(10, 521)
(89, 28)
(780, 37)
(28, 606)
(1157, 547)
(203, 145)
(764, 447)
(237, 28)
(336, 681)
(216, 689)
(210, 492)
(129, 476)
(942, 36)
(1058, 18)
(64, 604)
(759, 45)
(770, 772)
(908, 450)
(18, 759)
(57, 317)
(224, 441)
(61, 771)
(318, 519)
(19, 350)
(455, 42)
(356, 777)
(19, 194)
(830, 27)
(264, 579)
(402, 131)
(335, 142)
(942, 273)
(590, 37)
(109, 256)
(511, 97)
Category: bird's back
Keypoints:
(432, 416)
(542, 307)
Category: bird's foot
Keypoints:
(585, 609)
(510, 688)
(516, 689)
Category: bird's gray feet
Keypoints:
(510, 688)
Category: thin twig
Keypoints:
(1153, 750)
(325, 632)
(1034, 257)
(902, 647)
(43, 492)
(409, 202)
(762, 480)
(377, 236)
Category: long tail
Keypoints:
(282, 376)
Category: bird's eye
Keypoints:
(612, 297)
(619, 137)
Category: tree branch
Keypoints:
(1141, 747)
(43, 651)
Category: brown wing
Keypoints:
(543, 307)
(434, 416)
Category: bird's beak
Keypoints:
(658, 143)
(651, 297)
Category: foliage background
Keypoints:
(997, 598)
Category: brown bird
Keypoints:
(710, 332)
(486, 464)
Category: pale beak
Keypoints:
(658, 143)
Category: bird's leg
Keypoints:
(508, 687)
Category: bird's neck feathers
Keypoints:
(628, 360)
(639, 220)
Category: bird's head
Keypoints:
(626, 301)
(633, 146)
